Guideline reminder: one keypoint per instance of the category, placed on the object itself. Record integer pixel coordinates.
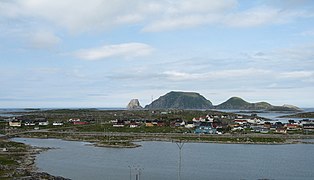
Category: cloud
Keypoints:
(74, 15)
(262, 15)
(221, 74)
(223, 13)
(44, 39)
(125, 50)
(185, 14)
(151, 15)
(297, 74)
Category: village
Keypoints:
(210, 123)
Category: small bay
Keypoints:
(159, 160)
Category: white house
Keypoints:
(189, 124)
(15, 123)
(57, 123)
(43, 123)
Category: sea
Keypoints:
(12, 112)
(165, 161)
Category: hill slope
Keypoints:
(239, 103)
(180, 100)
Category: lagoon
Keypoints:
(159, 160)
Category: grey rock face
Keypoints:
(134, 104)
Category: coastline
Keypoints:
(27, 167)
(117, 142)
(20, 165)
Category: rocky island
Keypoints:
(238, 103)
(193, 100)
(180, 100)
(134, 104)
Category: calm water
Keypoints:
(273, 115)
(159, 160)
(11, 112)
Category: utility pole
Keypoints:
(139, 172)
(130, 172)
(180, 146)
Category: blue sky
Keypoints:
(102, 53)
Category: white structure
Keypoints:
(57, 123)
(15, 123)
(43, 123)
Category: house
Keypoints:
(277, 125)
(119, 123)
(205, 128)
(29, 123)
(305, 121)
(179, 122)
(57, 123)
(240, 121)
(255, 121)
(308, 127)
(133, 125)
(261, 129)
(15, 123)
(189, 124)
(237, 128)
(43, 123)
(80, 122)
(164, 113)
(72, 120)
(155, 122)
(264, 130)
(209, 118)
(267, 125)
(281, 130)
(114, 121)
(292, 127)
(201, 119)
(149, 123)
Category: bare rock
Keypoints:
(134, 104)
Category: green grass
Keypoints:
(141, 129)
(7, 160)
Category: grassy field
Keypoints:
(11, 159)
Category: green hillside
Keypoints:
(180, 100)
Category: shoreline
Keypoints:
(28, 167)
(19, 162)
(266, 139)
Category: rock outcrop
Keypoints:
(134, 104)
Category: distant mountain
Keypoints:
(240, 104)
(180, 100)
(285, 108)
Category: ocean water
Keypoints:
(10, 112)
(159, 160)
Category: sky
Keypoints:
(103, 53)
